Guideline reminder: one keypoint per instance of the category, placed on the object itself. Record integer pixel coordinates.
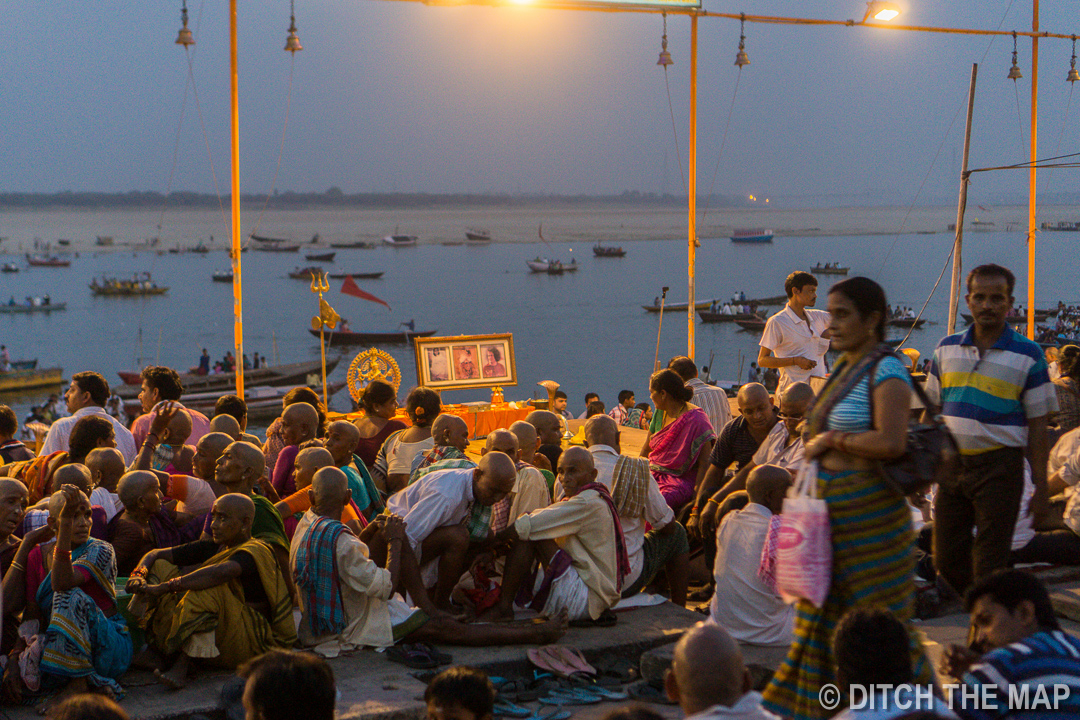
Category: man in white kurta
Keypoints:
(744, 603)
(87, 396)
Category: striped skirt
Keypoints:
(873, 566)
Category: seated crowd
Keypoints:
(201, 538)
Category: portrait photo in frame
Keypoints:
(465, 361)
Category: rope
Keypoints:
(723, 142)
(927, 301)
(281, 149)
(176, 157)
(1019, 118)
(674, 132)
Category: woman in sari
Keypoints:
(275, 440)
(678, 449)
(71, 590)
(859, 419)
(380, 404)
(401, 453)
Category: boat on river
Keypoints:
(306, 273)
(833, 269)
(291, 375)
(136, 287)
(9, 267)
(754, 325)
(552, 267)
(705, 304)
(26, 379)
(355, 244)
(357, 276)
(278, 247)
(755, 235)
(610, 251)
(27, 309)
(477, 237)
(263, 401)
(46, 261)
(1018, 318)
(1062, 226)
(223, 276)
(719, 317)
(400, 240)
(906, 322)
(320, 257)
(401, 337)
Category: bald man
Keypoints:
(451, 436)
(745, 601)
(738, 442)
(341, 440)
(309, 462)
(106, 466)
(235, 606)
(370, 614)
(144, 524)
(434, 508)
(225, 424)
(722, 692)
(299, 423)
(549, 432)
(528, 442)
(579, 542)
(530, 488)
(13, 501)
(663, 550)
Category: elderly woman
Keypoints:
(678, 450)
(380, 403)
(402, 451)
(1068, 388)
(275, 439)
(859, 418)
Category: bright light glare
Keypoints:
(886, 14)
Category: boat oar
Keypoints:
(663, 297)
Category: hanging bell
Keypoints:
(741, 58)
(184, 37)
(292, 43)
(665, 56)
(1073, 76)
(1014, 71)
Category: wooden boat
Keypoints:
(15, 380)
(268, 239)
(360, 244)
(1014, 319)
(401, 337)
(114, 287)
(46, 261)
(51, 307)
(305, 273)
(755, 235)
(64, 242)
(320, 257)
(718, 317)
(906, 322)
(477, 237)
(755, 325)
(199, 248)
(9, 267)
(400, 240)
(223, 276)
(262, 401)
(600, 251)
(543, 265)
(291, 375)
(357, 276)
(679, 307)
(104, 240)
(279, 247)
(1062, 226)
(820, 269)
(24, 364)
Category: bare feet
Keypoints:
(553, 629)
(495, 614)
(148, 659)
(175, 678)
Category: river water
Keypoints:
(585, 330)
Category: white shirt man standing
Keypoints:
(87, 395)
(796, 338)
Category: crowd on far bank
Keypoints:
(179, 542)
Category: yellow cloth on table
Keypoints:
(240, 632)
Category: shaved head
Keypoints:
(214, 443)
(330, 487)
(10, 485)
(602, 430)
(750, 393)
(494, 477)
(308, 462)
(134, 485)
(451, 431)
(75, 474)
(179, 428)
(503, 441)
(299, 422)
(767, 485)
(106, 465)
(251, 456)
(527, 438)
(57, 502)
(226, 424)
(236, 505)
(799, 392)
(544, 421)
(707, 645)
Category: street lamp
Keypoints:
(880, 10)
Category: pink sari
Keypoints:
(674, 452)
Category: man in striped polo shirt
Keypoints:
(995, 394)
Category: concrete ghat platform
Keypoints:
(373, 688)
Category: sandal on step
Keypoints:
(412, 655)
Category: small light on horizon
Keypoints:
(766, 200)
(753, 198)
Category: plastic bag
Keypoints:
(804, 550)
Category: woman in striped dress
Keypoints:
(859, 418)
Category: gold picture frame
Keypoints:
(465, 361)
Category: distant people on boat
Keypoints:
(247, 362)
(115, 407)
(257, 361)
(5, 358)
(727, 309)
(655, 302)
(796, 338)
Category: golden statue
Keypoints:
(373, 364)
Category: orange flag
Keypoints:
(349, 287)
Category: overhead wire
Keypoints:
(723, 143)
(281, 149)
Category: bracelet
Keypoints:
(139, 572)
(62, 554)
(17, 566)
(714, 501)
(173, 585)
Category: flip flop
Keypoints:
(572, 657)
(412, 655)
(441, 657)
(508, 709)
(570, 697)
(548, 661)
(618, 668)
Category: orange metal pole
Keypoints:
(1031, 172)
(691, 194)
(238, 286)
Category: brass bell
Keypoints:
(292, 43)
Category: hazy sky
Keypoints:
(398, 96)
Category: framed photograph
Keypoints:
(465, 361)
